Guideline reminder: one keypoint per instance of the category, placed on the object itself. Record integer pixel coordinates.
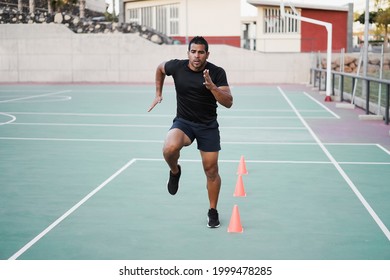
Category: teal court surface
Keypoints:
(82, 177)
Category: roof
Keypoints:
(275, 3)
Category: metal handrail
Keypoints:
(313, 73)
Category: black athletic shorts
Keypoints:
(206, 135)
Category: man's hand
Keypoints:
(207, 80)
(222, 94)
(155, 102)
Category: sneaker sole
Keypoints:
(211, 226)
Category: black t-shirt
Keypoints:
(194, 101)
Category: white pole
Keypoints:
(328, 27)
(357, 73)
(328, 61)
(365, 48)
(380, 84)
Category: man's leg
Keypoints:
(210, 167)
(175, 140)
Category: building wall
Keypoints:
(309, 37)
(275, 42)
(314, 37)
(215, 20)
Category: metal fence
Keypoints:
(318, 77)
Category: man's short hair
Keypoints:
(199, 40)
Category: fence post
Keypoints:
(387, 104)
(367, 97)
(333, 77)
(319, 81)
(342, 88)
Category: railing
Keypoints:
(313, 80)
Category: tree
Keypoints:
(382, 19)
(372, 16)
(57, 5)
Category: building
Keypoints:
(218, 22)
(277, 34)
(222, 23)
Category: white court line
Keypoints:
(247, 161)
(92, 125)
(371, 211)
(263, 127)
(350, 144)
(153, 126)
(70, 211)
(145, 141)
(89, 114)
(161, 141)
(363, 163)
(142, 115)
(13, 118)
(156, 115)
(58, 98)
(383, 149)
(322, 105)
(267, 110)
(33, 96)
(273, 161)
(81, 140)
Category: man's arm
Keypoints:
(222, 94)
(160, 77)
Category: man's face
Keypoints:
(197, 56)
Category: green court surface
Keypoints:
(82, 177)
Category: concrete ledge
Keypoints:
(371, 117)
(59, 55)
(336, 98)
(345, 105)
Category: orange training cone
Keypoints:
(242, 167)
(235, 222)
(239, 191)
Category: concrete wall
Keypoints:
(52, 53)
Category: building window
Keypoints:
(164, 19)
(147, 16)
(161, 19)
(133, 16)
(274, 23)
(174, 19)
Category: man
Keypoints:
(199, 86)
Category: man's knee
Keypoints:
(211, 171)
(170, 148)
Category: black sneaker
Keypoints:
(212, 218)
(173, 182)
